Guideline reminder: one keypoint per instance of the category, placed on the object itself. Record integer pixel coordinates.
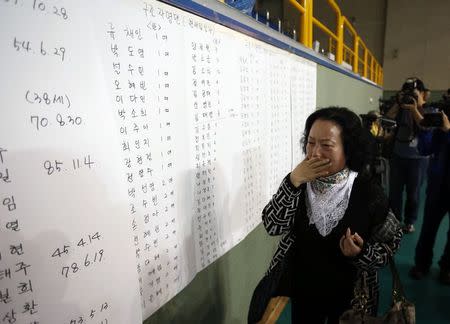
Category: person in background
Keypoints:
(374, 125)
(407, 165)
(336, 223)
(381, 129)
(436, 143)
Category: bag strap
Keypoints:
(359, 302)
(398, 293)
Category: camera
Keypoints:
(386, 104)
(407, 96)
(387, 123)
(443, 105)
(434, 119)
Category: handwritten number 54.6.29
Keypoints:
(28, 47)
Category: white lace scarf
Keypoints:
(327, 199)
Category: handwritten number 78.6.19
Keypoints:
(88, 261)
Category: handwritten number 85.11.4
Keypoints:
(56, 166)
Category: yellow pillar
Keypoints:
(356, 54)
(310, 21)
(340, 39)
(365, 62)
(304, 19)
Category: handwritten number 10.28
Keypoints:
(40, 5)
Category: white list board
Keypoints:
(138, 144)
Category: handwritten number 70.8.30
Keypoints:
(88, 261)
(43, 122)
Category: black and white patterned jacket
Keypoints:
(278, 218)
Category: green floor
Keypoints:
(432, 299)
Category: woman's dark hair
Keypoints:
(358, 146)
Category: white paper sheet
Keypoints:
(140, 143)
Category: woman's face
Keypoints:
(325, 142)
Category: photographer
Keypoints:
(380, 128)
(435, 142)
(407, 165)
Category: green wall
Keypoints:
(333, 88)
(435, 95)
(221, 293)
